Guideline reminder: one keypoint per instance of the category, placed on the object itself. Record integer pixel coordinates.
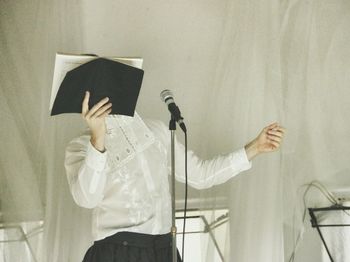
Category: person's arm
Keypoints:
(86, 156)
(206, 173)
(86, 171)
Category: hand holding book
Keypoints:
(95, 118)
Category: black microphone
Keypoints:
(168, 98)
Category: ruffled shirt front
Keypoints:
(127, 186)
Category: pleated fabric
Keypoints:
(131, 247)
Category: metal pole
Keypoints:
(211, 234)
(172, 127)
(315, 224)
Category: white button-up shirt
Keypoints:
(134, 196)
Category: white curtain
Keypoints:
(248, 96)
(33, 183)
(235, 66)
(283, 61)
(315, 79)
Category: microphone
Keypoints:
(168, 98)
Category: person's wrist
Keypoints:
(98, 141)
(252, 149)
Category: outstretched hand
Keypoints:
(95, 118)
(269, 140)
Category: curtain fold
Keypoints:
(247, 87)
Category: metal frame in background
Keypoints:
(208, 227)
(314, 222)
(24, 236)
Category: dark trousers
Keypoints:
(131, 247)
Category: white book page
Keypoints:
(67, 62)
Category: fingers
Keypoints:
(274, 126)
(106, 113)
(85, 104)
(274, 138)
(96, 107)
(271, 126)
(275, 129)
(278, 132)
(275, 135)
(278, 129)
(102, 110)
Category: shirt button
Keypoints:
(125, 243)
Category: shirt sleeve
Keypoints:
(207, 173)
(202, 173)
(86, 171)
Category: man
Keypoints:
(119, 168)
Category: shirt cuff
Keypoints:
(95, 159)
(240, 160)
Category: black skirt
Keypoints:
(131, 247)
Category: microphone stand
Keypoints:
(172, 128)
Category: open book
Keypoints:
(66, 62)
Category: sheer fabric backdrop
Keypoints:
(234, 66)
(245, 97)
(315, 80)
(33, 179)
